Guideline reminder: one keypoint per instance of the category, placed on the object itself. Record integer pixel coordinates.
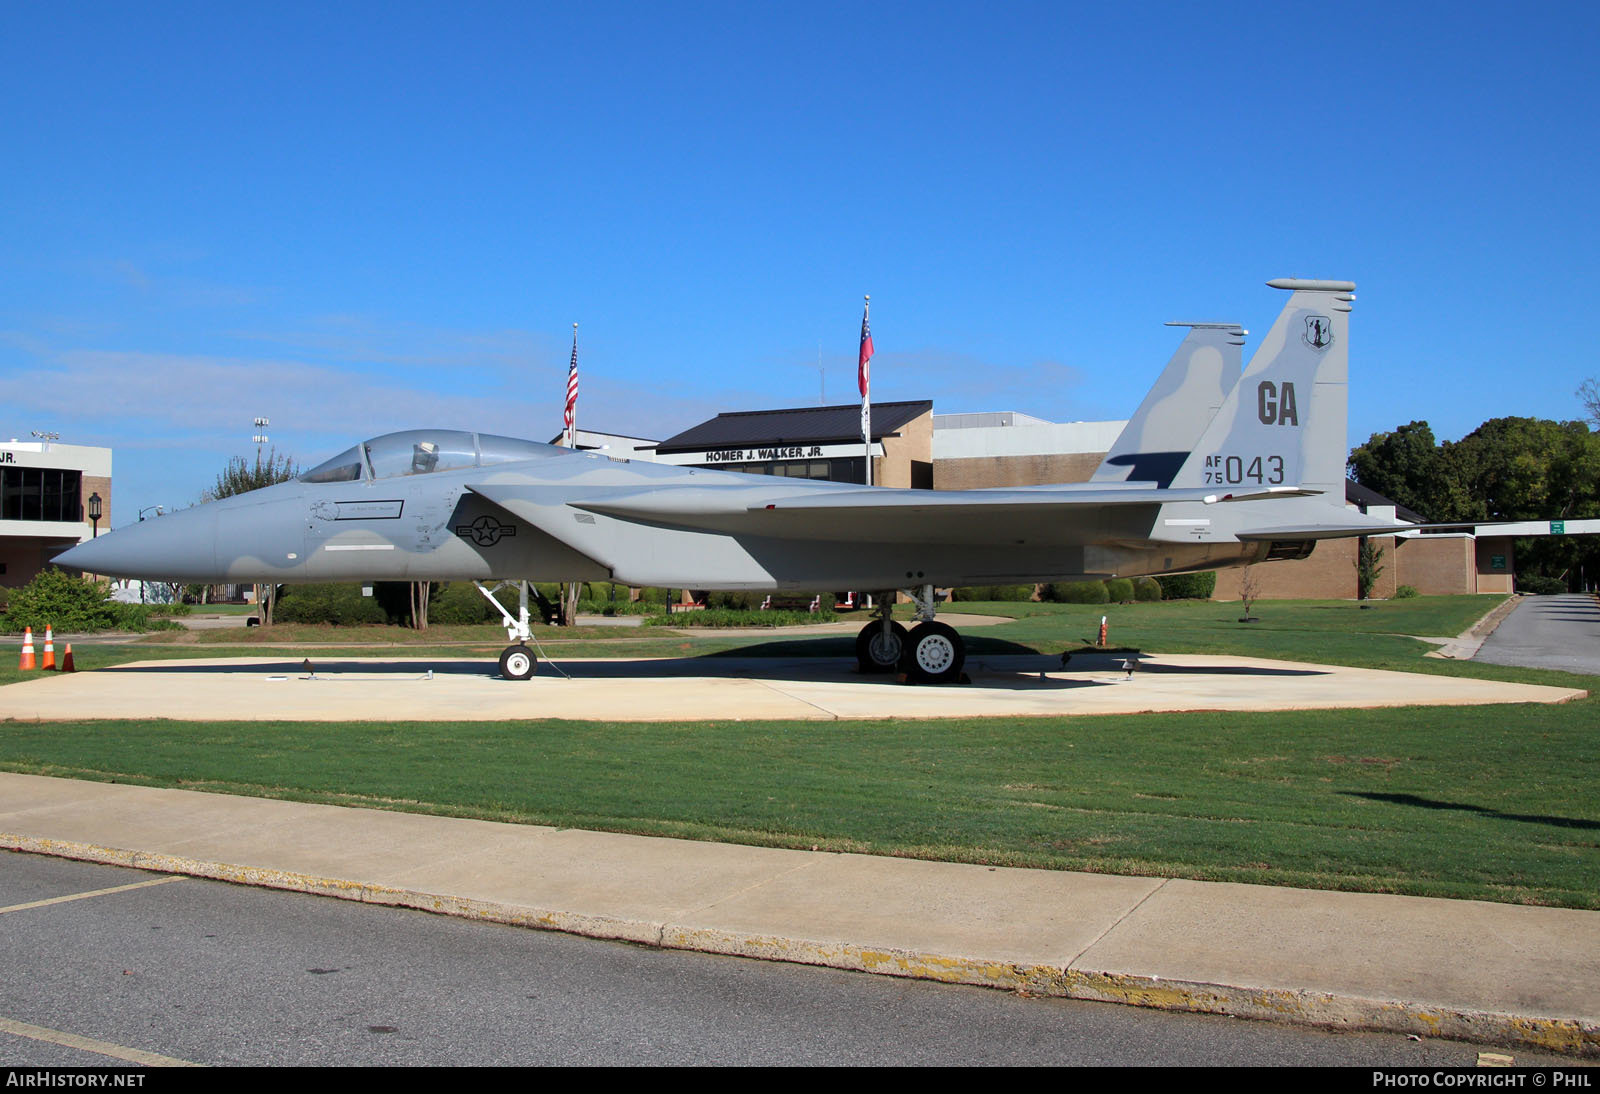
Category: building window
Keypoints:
(842, 469)
(41, 493)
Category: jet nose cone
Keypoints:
(170, 548)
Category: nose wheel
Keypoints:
(517, 663)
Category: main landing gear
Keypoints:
(930, 653)
(517, 661)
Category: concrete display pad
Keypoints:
(401, 689)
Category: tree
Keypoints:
(242, 476)
(1405, 467)
(1506, 469)
(1369, 567)
(420, 592)
(1249, 591)
(1589, 396)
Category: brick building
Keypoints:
(47, 491)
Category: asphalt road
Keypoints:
(107, 966)
(1548, 632)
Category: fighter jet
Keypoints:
(1261, 478)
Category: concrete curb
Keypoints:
(1276, 1004)
(1465, 646)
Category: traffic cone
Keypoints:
(26, 663)
(66, 660)
(49, 661)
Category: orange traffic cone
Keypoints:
(26, 663)
(66, 660)
(49, 661)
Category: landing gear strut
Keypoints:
(931, 653)
(517, 662)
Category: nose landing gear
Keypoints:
(517, 661)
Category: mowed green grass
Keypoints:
(1496, 803)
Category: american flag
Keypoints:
(864, 380)
(572, 390)
(864, 370)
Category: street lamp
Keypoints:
(94, 513)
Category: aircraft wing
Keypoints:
(1073, 514)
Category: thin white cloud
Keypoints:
(368, 339)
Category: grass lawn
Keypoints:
(1494, 803)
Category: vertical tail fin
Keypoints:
(1284, 422)
(1190, 390)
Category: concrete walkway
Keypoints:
(1484, 972)
(694, 689)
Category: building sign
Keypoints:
(759, 455)
(1497, 562)
(711, 457)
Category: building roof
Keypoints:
(799, 425)
(1364, 498)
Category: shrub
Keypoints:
(459, 602)
(1405, 592)
(341, 605)
(66, 603)
(1539, 585)
(1003, 593)
(146, 617)
(1188, 586)
(621, 606)
(1075, 592)
(730, 617)
(1119, 590)
(728, 600)
(1146, 589)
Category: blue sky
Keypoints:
(355, 218)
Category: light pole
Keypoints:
(94, 513)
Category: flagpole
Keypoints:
(571, 413)
(864, 377)
(569, 605)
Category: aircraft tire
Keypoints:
(518, 663)
(934, 654)
(874, 654)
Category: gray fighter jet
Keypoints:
(1210, 473)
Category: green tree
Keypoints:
(1525, 469)
(1506, 469)
(242, 475)
(1369, 567)
(1406, 467)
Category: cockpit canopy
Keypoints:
(420, 451)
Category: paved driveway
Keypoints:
(1548, 632)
